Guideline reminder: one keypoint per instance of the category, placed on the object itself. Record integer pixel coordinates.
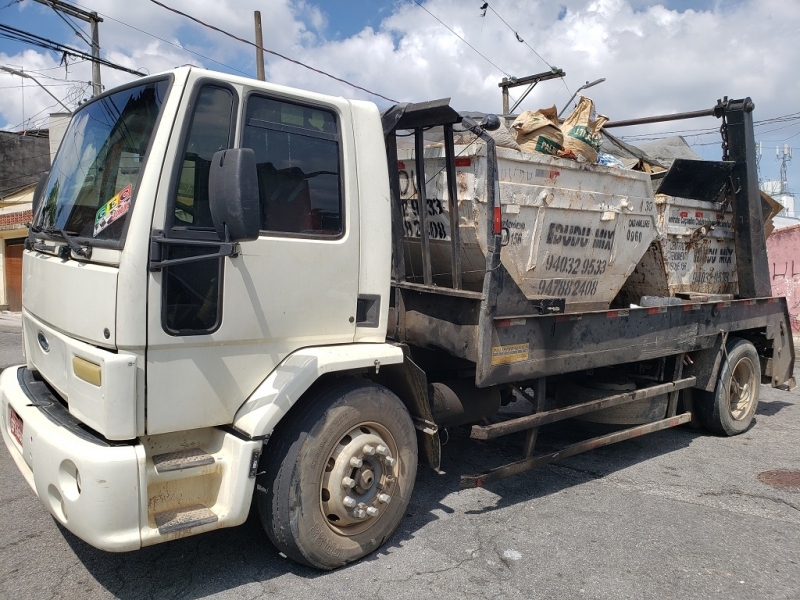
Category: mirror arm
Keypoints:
(158, 241)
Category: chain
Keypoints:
(723, 132)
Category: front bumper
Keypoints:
(90, 485)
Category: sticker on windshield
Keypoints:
(113, 210)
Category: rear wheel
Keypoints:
(338, 477)
(730, 408)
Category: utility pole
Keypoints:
(259, 47)
(94, 21)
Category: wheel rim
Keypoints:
(360, 479)
(742, 389)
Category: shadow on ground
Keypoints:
(224, 560)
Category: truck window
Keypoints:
(94, 179)
(297, 157)
(192, 292)
(209, 131)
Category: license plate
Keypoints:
(16, 427)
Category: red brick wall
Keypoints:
(783, 252)
(15, 218)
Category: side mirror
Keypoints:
(490, 122)
(38, 194)
(233, 195)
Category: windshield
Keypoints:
(93, 180)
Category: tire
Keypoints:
(730, 408)
(317, 505)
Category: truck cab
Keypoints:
(150, 339)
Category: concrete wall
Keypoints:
(58, 127)
(23, 158)
(783, 254)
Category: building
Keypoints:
(24, 158)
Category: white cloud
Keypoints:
(655, 60)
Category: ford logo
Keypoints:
(43, 341)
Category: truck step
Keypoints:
(184, 518)
(182, 459)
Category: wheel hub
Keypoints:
(359, 479)
(740, 391)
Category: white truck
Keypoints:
(231, 296)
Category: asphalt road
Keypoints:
(677, 514)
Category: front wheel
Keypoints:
(730, 408)
(336, 479)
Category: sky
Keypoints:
(657, 57)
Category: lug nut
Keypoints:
(368, 450)
(359, 513)
(382, 450)
(390, 462)
(384, 498)
(372, 511)
(349, 502)
(356, 462)
(348, 483)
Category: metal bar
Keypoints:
(752, 268)
(452, 200)
(488, 432)
(505, 96)
(470, 481)
(492, 280)
(438, 290)
(530, 439)
(422, 205)
(521, 98)
(514, 82)
(661, 118)
(672, 406)
(398, 227)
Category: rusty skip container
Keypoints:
(571, 231)
(693, 255)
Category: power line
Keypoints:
(167, 42)
(519, 39)
(458, 36)
(26, 37)
(248, 42)
(70, 24)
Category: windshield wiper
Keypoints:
(85, 250)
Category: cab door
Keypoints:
(218, 326)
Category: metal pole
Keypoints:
(259, 47)
(661, 118)
(97, 87)
(749, 242)
(26, 76)
(585, 86)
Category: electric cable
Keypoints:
(71, 25)
(26, 37)
(203, 56)
(248, 42)
(519, 39)
(458, 36)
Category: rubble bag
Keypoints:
(538, 132)
(582, 133)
